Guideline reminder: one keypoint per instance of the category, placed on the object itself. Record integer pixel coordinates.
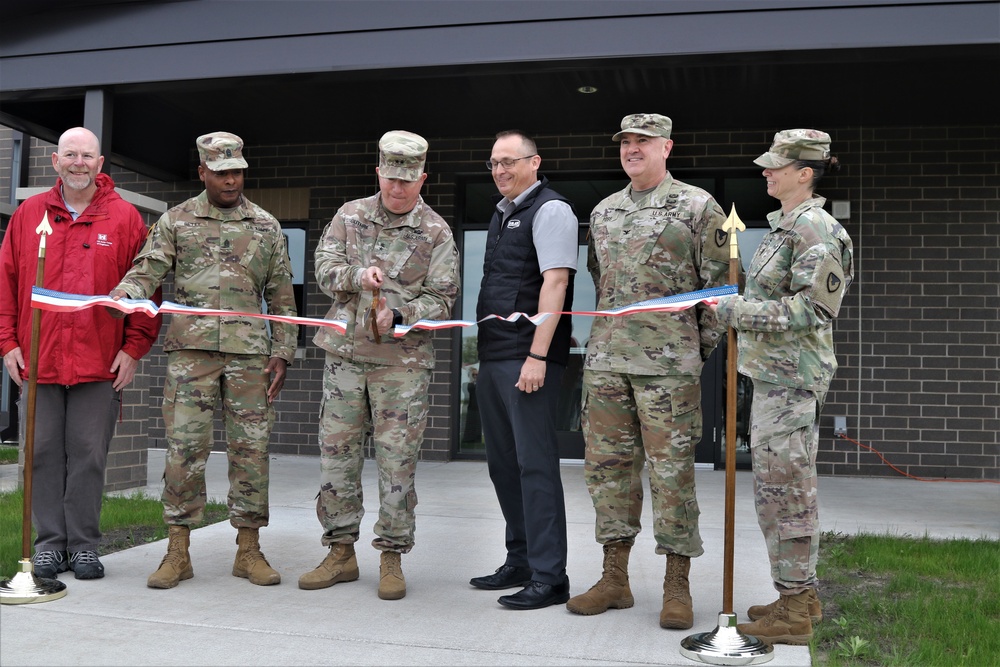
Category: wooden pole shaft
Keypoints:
(730, 527)
(733, 225)
(29, 425)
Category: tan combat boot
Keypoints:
(677, 613)
(339, 565)
(612, 591)
(176, 565)
(815, 609)
(788, 622)
(250, 562)
(391, 584)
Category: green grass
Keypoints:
(8, 454)
(126, 521)
(896, 601)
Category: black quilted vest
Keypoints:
(512, 282)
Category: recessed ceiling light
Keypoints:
(586, 90)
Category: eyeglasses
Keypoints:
(506, 163)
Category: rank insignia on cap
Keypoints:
(401, 155)
(221, 151)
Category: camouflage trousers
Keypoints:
(196, 380)
(784, 438)
(390, 402)
(632, 420)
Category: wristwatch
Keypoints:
(397, 318)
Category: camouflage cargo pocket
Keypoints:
(780, 440)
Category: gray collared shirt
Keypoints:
(554, 231)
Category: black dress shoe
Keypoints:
(506, 576)
(537, 595)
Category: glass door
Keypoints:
(470, 441)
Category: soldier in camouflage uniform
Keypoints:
(226, 253)
(384, 260)
(641, 383)
(794, 290)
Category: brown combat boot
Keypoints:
(250, 562)
(815, 609)
(612, 591)
(788, 622)
(391, 584)
(340, 565)
(176, 565)
(677, 613)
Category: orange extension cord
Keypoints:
(919, 479)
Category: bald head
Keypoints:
(81, 136)
(78, 160)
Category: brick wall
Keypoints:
(920, 339)
(917, 339)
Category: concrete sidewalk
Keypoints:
(218, 619)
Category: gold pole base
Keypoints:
(26, 588)
(726, 645)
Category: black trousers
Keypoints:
(523, 459)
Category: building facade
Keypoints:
(918, 339)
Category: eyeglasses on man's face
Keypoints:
(506, 163)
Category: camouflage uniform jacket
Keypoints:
(227, 261)
(419, 262)
(670, 242)
(794, 289)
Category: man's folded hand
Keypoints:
(116, 294)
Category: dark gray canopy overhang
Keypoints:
(157, 74)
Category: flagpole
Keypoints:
(25, 587)
(726, 645)
(735, 225)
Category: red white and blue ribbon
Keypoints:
(63, 302)
(673, 303)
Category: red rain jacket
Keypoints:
(88, 256)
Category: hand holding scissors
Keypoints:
(371, 280)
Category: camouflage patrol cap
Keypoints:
(221, 151)
(648, 124)
(401, 155)
(792, 145)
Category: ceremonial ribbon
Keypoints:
(671, 303)
(63, 302)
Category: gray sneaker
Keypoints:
(48, 564)
(85, 565)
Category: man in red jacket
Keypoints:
(85, 358)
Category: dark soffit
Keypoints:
(154, 122)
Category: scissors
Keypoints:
(372, 312)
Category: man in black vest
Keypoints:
(531, 257)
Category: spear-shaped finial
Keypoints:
(732, 225)
(43, 228)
